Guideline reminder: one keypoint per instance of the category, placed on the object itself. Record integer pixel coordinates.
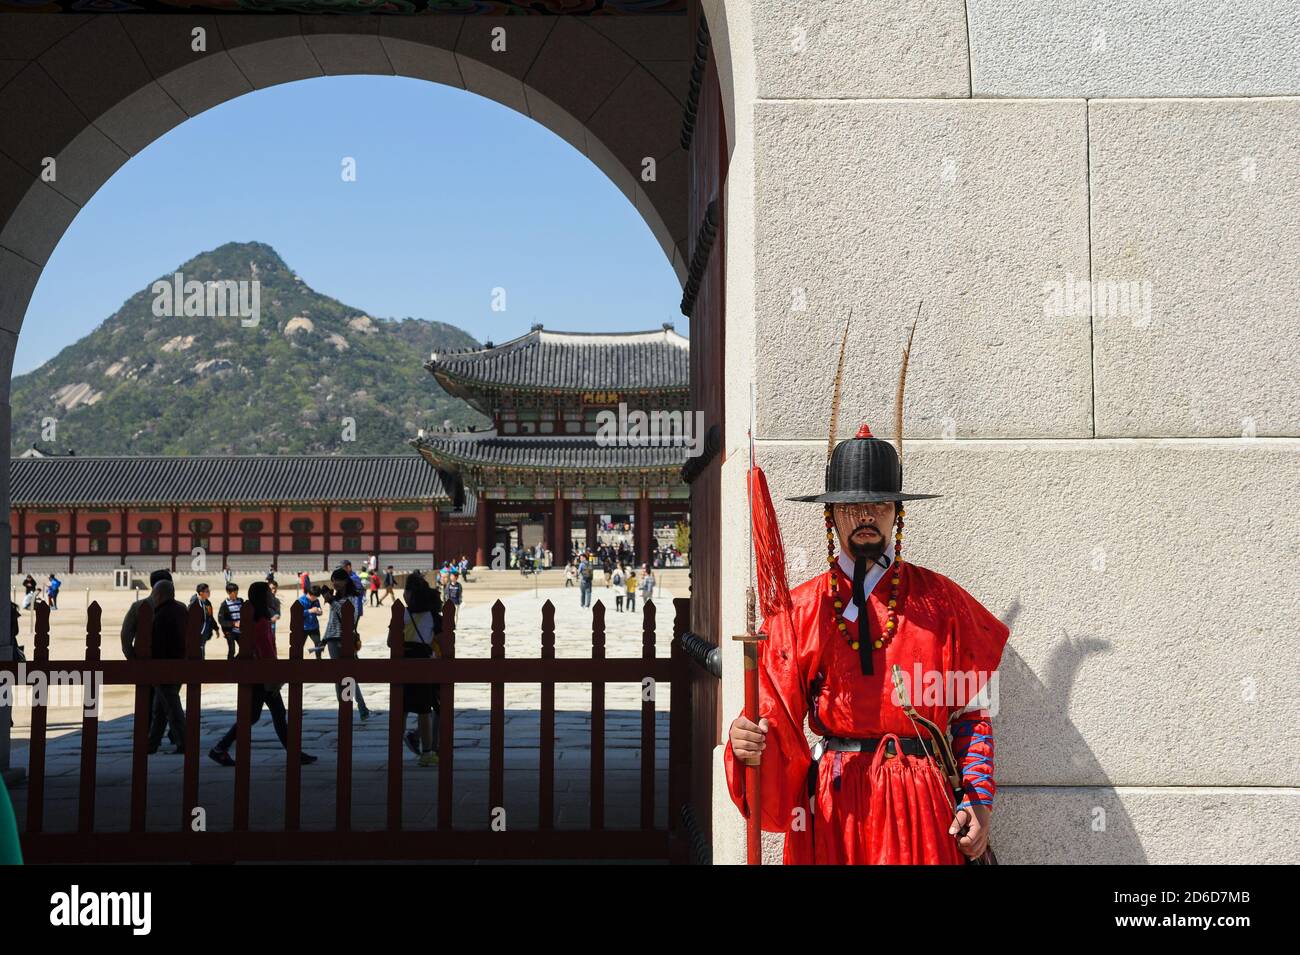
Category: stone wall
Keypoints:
(1117, 472)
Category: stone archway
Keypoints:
(88, 92)
(85, 93)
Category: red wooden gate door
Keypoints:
(704, 135)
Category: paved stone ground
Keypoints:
(523, 620)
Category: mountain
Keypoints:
(171, 384)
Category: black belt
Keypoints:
(911, 745)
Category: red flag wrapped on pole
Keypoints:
(769, 589)
(769, 553)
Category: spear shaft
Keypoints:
(750, 639)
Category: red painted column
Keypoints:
(22, 537)
(644, 529)
(325, 557)
(591, 532)
(436, 543)
(375, 542)
(176, 539)
(125, 553)
(560, 533)
(72, 544)
(275, 539)
(225, 537)
(482, 520)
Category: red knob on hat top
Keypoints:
(864, 431)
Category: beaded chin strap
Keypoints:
(895, 571)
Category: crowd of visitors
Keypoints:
(621, 578)
(254, 619)
(253, 622)
(32, 592)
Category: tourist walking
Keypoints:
(390, 581)
(423, 623)
(358, 591)
(311, 614)
(165, 643)
(275, 602)
(617, 581)
(630, 584)
(256, 618)
(203, 597)
(29, 591)
(374, 589)
(228, 618)
(586, 574)
(52, 592)
(455, 592)
(344, 589)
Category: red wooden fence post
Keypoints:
(446, 719)
(90, 727)
(396, 718)
(193, 714)
(343, 777)
(648, 692)
(598, 720)
(243, 722)
(143, 650)
(546, 756)
(293, 766)
(40, 718)
(679, 733)
(497, 719)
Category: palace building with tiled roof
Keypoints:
(545, 460)
(249, 513)
(542, 473)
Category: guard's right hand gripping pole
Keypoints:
(753, 789)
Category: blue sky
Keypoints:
(455, 195)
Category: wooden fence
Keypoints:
(343, 842)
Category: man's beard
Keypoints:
(871, 550)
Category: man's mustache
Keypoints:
(865, 527)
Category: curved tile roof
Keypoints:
(488, 449)
(572, 361)
(126, 481)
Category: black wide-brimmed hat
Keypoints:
(863, 470)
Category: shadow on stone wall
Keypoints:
(1048, 819)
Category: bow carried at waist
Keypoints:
(942, 754)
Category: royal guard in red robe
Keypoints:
(873, 789)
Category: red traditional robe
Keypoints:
(868, 809)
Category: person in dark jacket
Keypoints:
(168, 643)
(311, 614)
(256, 620)
(203, 597)
(29, 591)
(342, 590)
(421, 627)
(228, 618)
